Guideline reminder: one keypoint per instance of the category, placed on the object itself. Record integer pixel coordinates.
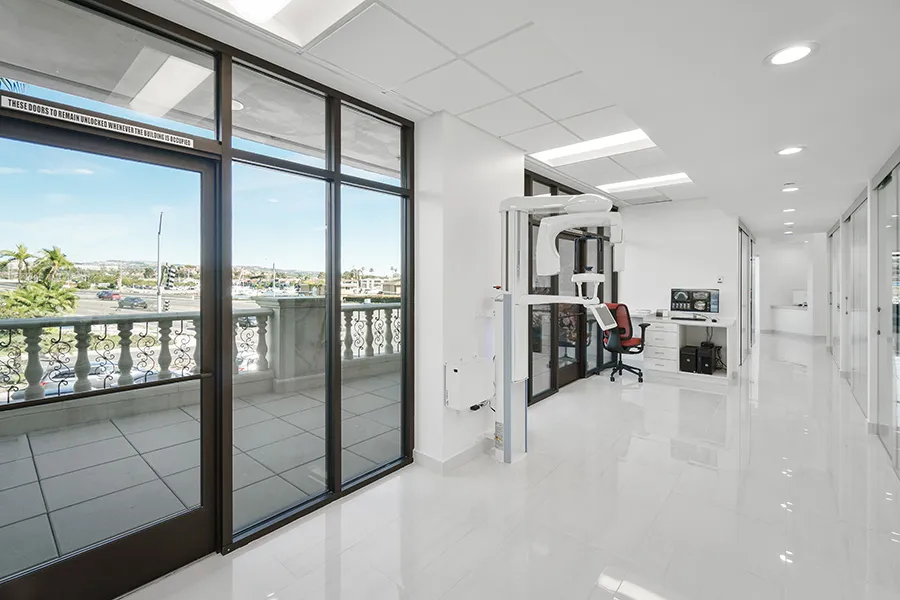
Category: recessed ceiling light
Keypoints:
(791, 150)
(258, 11)
(791, 54)
(610, 145)
(790, 188)
(645, 184)
(789, 223)
(893, 216)
(788, 233)
(171, 84)
(805, 241)
(237, 105)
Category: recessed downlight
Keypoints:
(791, 54)
(789, 187)
(789, 210)
(791, 150)
(789, 224)
(788, 233)
(237, 105)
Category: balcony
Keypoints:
(75, 470)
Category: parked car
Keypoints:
(247, 321)
(132, 302)
(109, 295)
(61, 381)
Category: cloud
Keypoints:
(66, 171)
(11, 170)
(274, 200)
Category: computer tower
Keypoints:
(706, 360)
(688, 359)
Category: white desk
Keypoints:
(665, 337)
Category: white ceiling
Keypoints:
(690, 73)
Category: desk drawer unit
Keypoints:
(661, 364)
(662, 339)
(663, 327)
(660, 353)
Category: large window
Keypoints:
(204, 297)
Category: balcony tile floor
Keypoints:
(66, 489)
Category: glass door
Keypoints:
(107, 438)
(570, 317)
(859, 223)
(889, 314)
(835, 296)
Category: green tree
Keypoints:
(37, 299)
(50, 263)
(20, 256)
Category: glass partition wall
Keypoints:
(205, 297)
(888, 276)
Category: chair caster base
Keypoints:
(640, 380)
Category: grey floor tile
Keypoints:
(389, 415)
(311, 419)
(365, 403)
(381, 449)
(264, 499)
(311, 477)
(370, 384)
(292, 452)
(263, 433)
(175, 459)
(248, 416)
(193, 410)
(355, 430)
(152, 420)
(237, 404)
(101, 518)
(353, 465)
(186, 486)
(391, 393)
(320, 393)
(14, 448)
(163, 437)
(25, 544)
(50, 441)
(288, 406)
(81, 457)
(247, 471)
(16, 473)
(65, 490)
(258, 399)
(20, 503)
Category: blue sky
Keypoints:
(100, 208)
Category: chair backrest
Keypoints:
(623, 318)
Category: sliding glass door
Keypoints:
(888, 275)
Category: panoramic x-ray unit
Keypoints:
(513, 331)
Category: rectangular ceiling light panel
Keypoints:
(171, 84)
(611, 145)
(644, 184)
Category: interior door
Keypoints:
(889, 314)
(107, 435)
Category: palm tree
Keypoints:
(20, 256)
(37, 299)
(51, 262)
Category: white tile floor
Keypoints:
(771, 490)
(65, 489)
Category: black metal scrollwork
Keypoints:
(146, 363)
(396, 329)
(105, 366)
(10, 365)
(358, 332)
(59, 371)
(182, 358)
(378, 331)
(247, 341)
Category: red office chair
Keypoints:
(620, 341)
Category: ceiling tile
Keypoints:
(523, 60)
(635, 196)
(648, 200)
(685, 191)
(544, 137)
(599, 171)
(506, 117)
(646, 163)
(381, 48)
(600, 123)
(456, 88)
(570, 96)
(462, 25)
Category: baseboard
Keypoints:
(804, 336)
(454, 462)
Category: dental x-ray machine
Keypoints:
(513, 331)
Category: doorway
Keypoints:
(107, 399)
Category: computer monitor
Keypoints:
(698, 301)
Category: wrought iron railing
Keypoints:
(374, 330)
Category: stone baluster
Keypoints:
(388, 331)
(165, 352)
(348, 335)
(126, 363)
(235, 331)
(82, 361)
(197, 342)
(370, 351)
(34, 370)
(262, 346)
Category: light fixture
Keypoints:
(805, 241)
(171, 84)
(788, 233)
(893, 216)
(789, 187)
(237, 105)
(789, 223)
(791, 54)
(258, 11)
(610, 145)
(647, 183)
(787, 210)
(791, 150)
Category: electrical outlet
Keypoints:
(721, 280)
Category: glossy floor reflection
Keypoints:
(771, 489)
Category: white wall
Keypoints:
(462, 174)
(688, 244)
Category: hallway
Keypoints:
(769, 490)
